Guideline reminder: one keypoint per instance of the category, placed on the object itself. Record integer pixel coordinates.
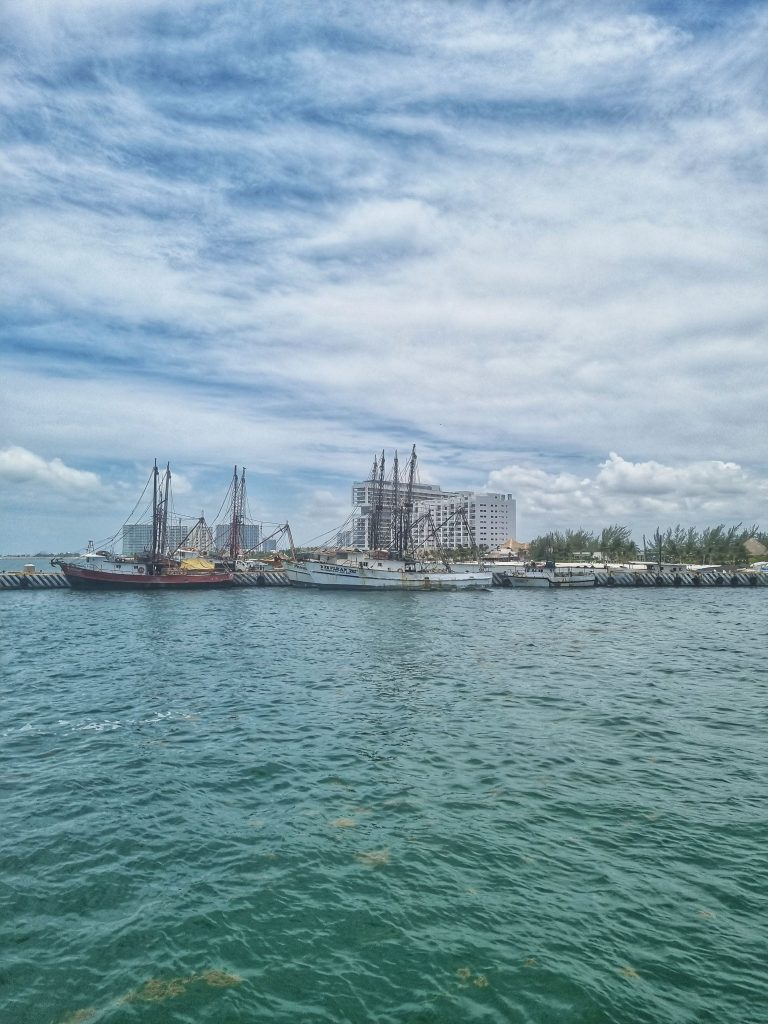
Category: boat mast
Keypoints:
(394, 526)
(290, 541)
(407, 513)
(372, 518)
(238, 514)
(163, 537)
(153, 555)
(378, 507)
(473, 543)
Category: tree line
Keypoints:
(719, 545)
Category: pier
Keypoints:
(666, 578)
(25, 580)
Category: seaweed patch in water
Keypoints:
(80, 1016)
(159, 989)
(219, 979)
(374, 858)
(464, 974)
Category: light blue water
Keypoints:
(289, 806)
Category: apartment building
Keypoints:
(492, 517)
(363, 498)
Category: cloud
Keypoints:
(288, 236)
(700, 480)
(640, 494)
(20, 466)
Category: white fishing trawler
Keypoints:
(370, 572)
(396, 566)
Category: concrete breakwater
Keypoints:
(603, 578)
(51, 580)
(667, 578)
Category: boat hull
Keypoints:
(549, 580)
(102, 579)
(344, 576)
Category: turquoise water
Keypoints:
(286, 806)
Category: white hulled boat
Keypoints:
(369, 572)
(549, 575)
(391, 563)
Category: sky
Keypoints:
(529, 237)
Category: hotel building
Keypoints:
(492, 517)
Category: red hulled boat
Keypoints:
(155, 569)
(134, 579)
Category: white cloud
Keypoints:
(493, 228)
(639, 494)
(702, 480)
(20, 466)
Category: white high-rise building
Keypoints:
(363, 493)
(492, 517)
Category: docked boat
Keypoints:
(369, 572)
(392, 562)
(550, 576)
(158, 568)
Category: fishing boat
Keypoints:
(371, 572)
(394, 565)
(549, 575)
(157, 568)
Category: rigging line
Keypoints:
(280, 528)
(127, 521)
(224, 501)
(331, 532)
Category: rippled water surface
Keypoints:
(288, 806)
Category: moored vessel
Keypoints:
(369, 572)
(157, 568)
(392, 563)
(550, 576)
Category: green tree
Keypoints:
(616, 544)
(561, 546)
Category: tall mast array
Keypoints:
(153, 556)
(394, 524)
(407, 511)
(163, 538)
(237, 514)
(378, 505)
(160, 503)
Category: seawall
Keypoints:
(603, 578)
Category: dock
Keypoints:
(666, 578)
(23, 580)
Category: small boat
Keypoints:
(549, 575)
(155, 569)
(392, 562)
